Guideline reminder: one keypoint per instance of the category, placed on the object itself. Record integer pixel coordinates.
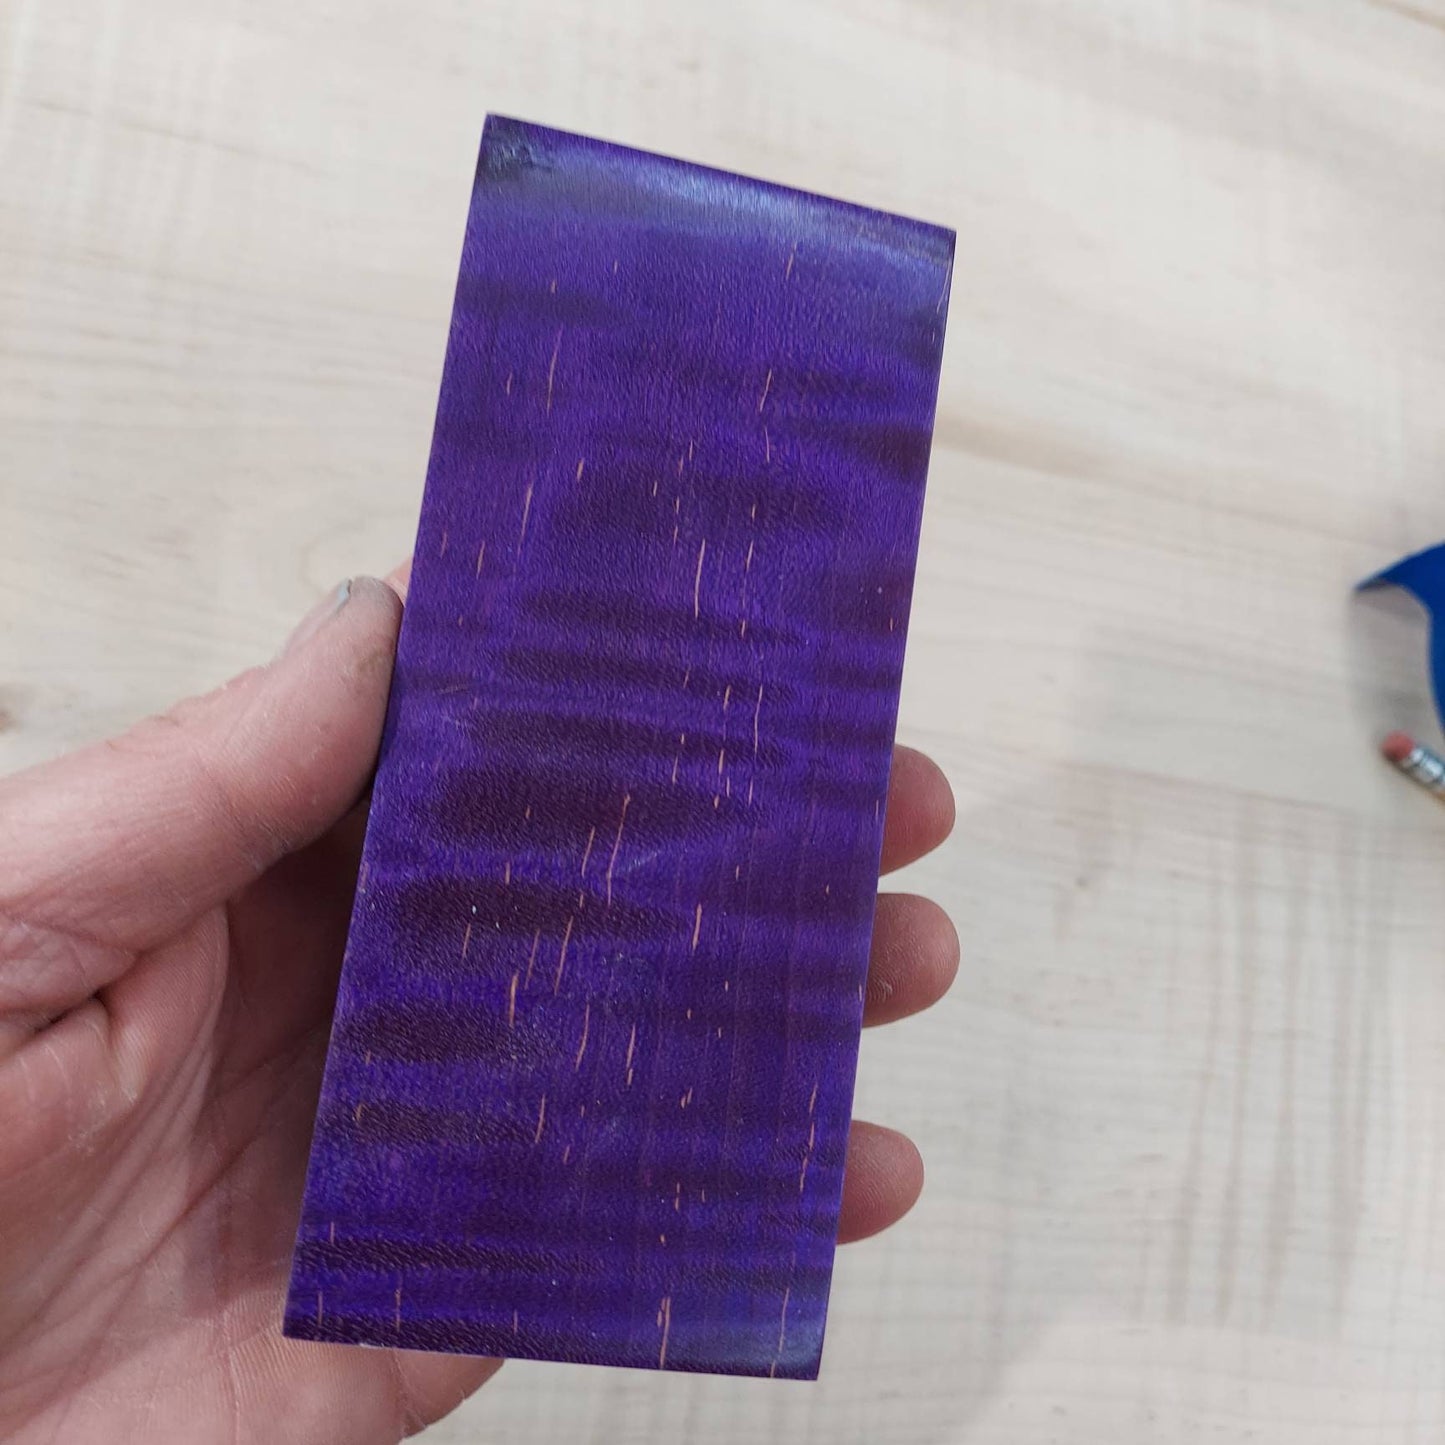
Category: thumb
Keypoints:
(123, 843)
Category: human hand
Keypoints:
(173, 909)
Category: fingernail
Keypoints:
(317, 618)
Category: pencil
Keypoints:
(1416, 761)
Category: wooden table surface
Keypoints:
(1184, 1112)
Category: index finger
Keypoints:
(920, 809)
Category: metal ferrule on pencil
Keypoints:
(1425, 767)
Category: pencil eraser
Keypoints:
(1397, 747)
(590, 1076)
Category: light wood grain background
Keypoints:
(1185, 1110)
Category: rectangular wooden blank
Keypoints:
(591, 1070)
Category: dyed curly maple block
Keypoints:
(591, 1071)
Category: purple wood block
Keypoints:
(592, 1064)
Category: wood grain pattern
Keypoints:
(1184, 1112)
(660, 592)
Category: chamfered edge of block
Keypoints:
(510, 144)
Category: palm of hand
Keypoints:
(173, 908)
